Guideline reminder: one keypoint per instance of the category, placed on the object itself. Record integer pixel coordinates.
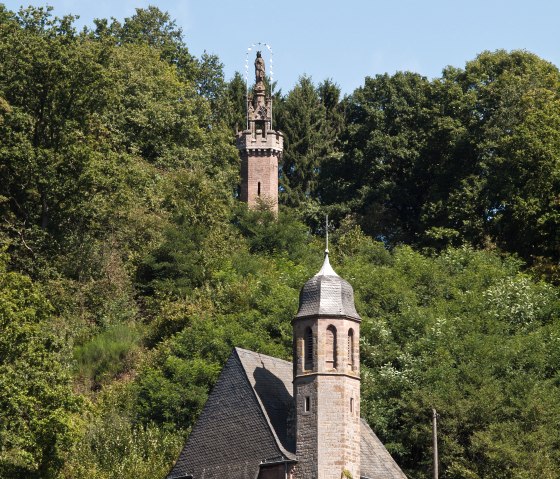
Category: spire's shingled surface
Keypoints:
(327, 294)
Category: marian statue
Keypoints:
(259, 68)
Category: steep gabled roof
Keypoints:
(232, 434)
(249, 419)
(271, 379)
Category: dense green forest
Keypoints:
(128, 269)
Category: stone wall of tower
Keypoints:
(327, 400)
(338, 426)
(259, 167)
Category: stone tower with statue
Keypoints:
(260, 147)
(267, 418)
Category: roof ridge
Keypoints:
(255, 353)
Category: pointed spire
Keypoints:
(326, 269)
(327, 293)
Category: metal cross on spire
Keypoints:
(327, 235)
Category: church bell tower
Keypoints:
(260, 147)
(326, 332)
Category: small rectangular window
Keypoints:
(351, 404)
(307, 405)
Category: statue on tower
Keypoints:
(259, 68)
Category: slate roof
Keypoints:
(327, 294)
(248, 419)
(233, 434)
(375, 460)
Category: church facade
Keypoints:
(267, 418)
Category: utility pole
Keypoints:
(434, 438)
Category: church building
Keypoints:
(267, 418)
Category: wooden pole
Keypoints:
(434, 438)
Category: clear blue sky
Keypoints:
(346, 40)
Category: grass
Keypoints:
(107, 354)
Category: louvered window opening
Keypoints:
(351, 349)
(331, 347)
(308, 346)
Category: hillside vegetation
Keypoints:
(128, 269)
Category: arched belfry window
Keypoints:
(330, 353)
(308, 349)
(351, 355)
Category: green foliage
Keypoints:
(268, 234)
(236, 94)
(382, 172)
(194, 240)
(307, 125)
(248, 303)
(177, 266)
(36, 400)
(469, 334)
(84, 146)
(107, 354)
(118, 171)
(113, 447)
(154, 28)
(471, 158)
(111, 151)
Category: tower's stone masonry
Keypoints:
(260, 147)
(327, 379)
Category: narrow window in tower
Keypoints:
(259, 189)
(351, 349)
(307, 404)
(331, 347)
(308, 349)
(351, 404)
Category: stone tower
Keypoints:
(327, 378)
(260, 147)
